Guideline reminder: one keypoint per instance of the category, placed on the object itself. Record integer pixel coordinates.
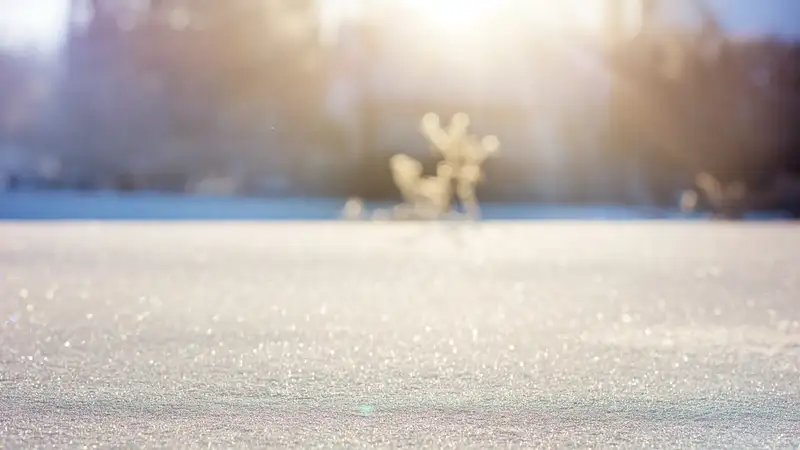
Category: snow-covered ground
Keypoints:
(139, 206)
(447, 335)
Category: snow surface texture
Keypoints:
(342, 334)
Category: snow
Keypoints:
(143, 206)
(345, 334)
(38, 205)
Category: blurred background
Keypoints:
(595, 102)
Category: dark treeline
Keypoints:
(712, 105)
(154, 97)
(180, 92)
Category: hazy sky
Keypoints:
(41, 23)
(747, 17)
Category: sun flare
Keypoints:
(454, 14)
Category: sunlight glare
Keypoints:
(40, 24)
(456, 15)
(540, 15)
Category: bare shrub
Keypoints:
(457, 176)
(725, 200)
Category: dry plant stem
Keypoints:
(725, 200)
(456, 176)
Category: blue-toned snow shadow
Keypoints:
(43, 206)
